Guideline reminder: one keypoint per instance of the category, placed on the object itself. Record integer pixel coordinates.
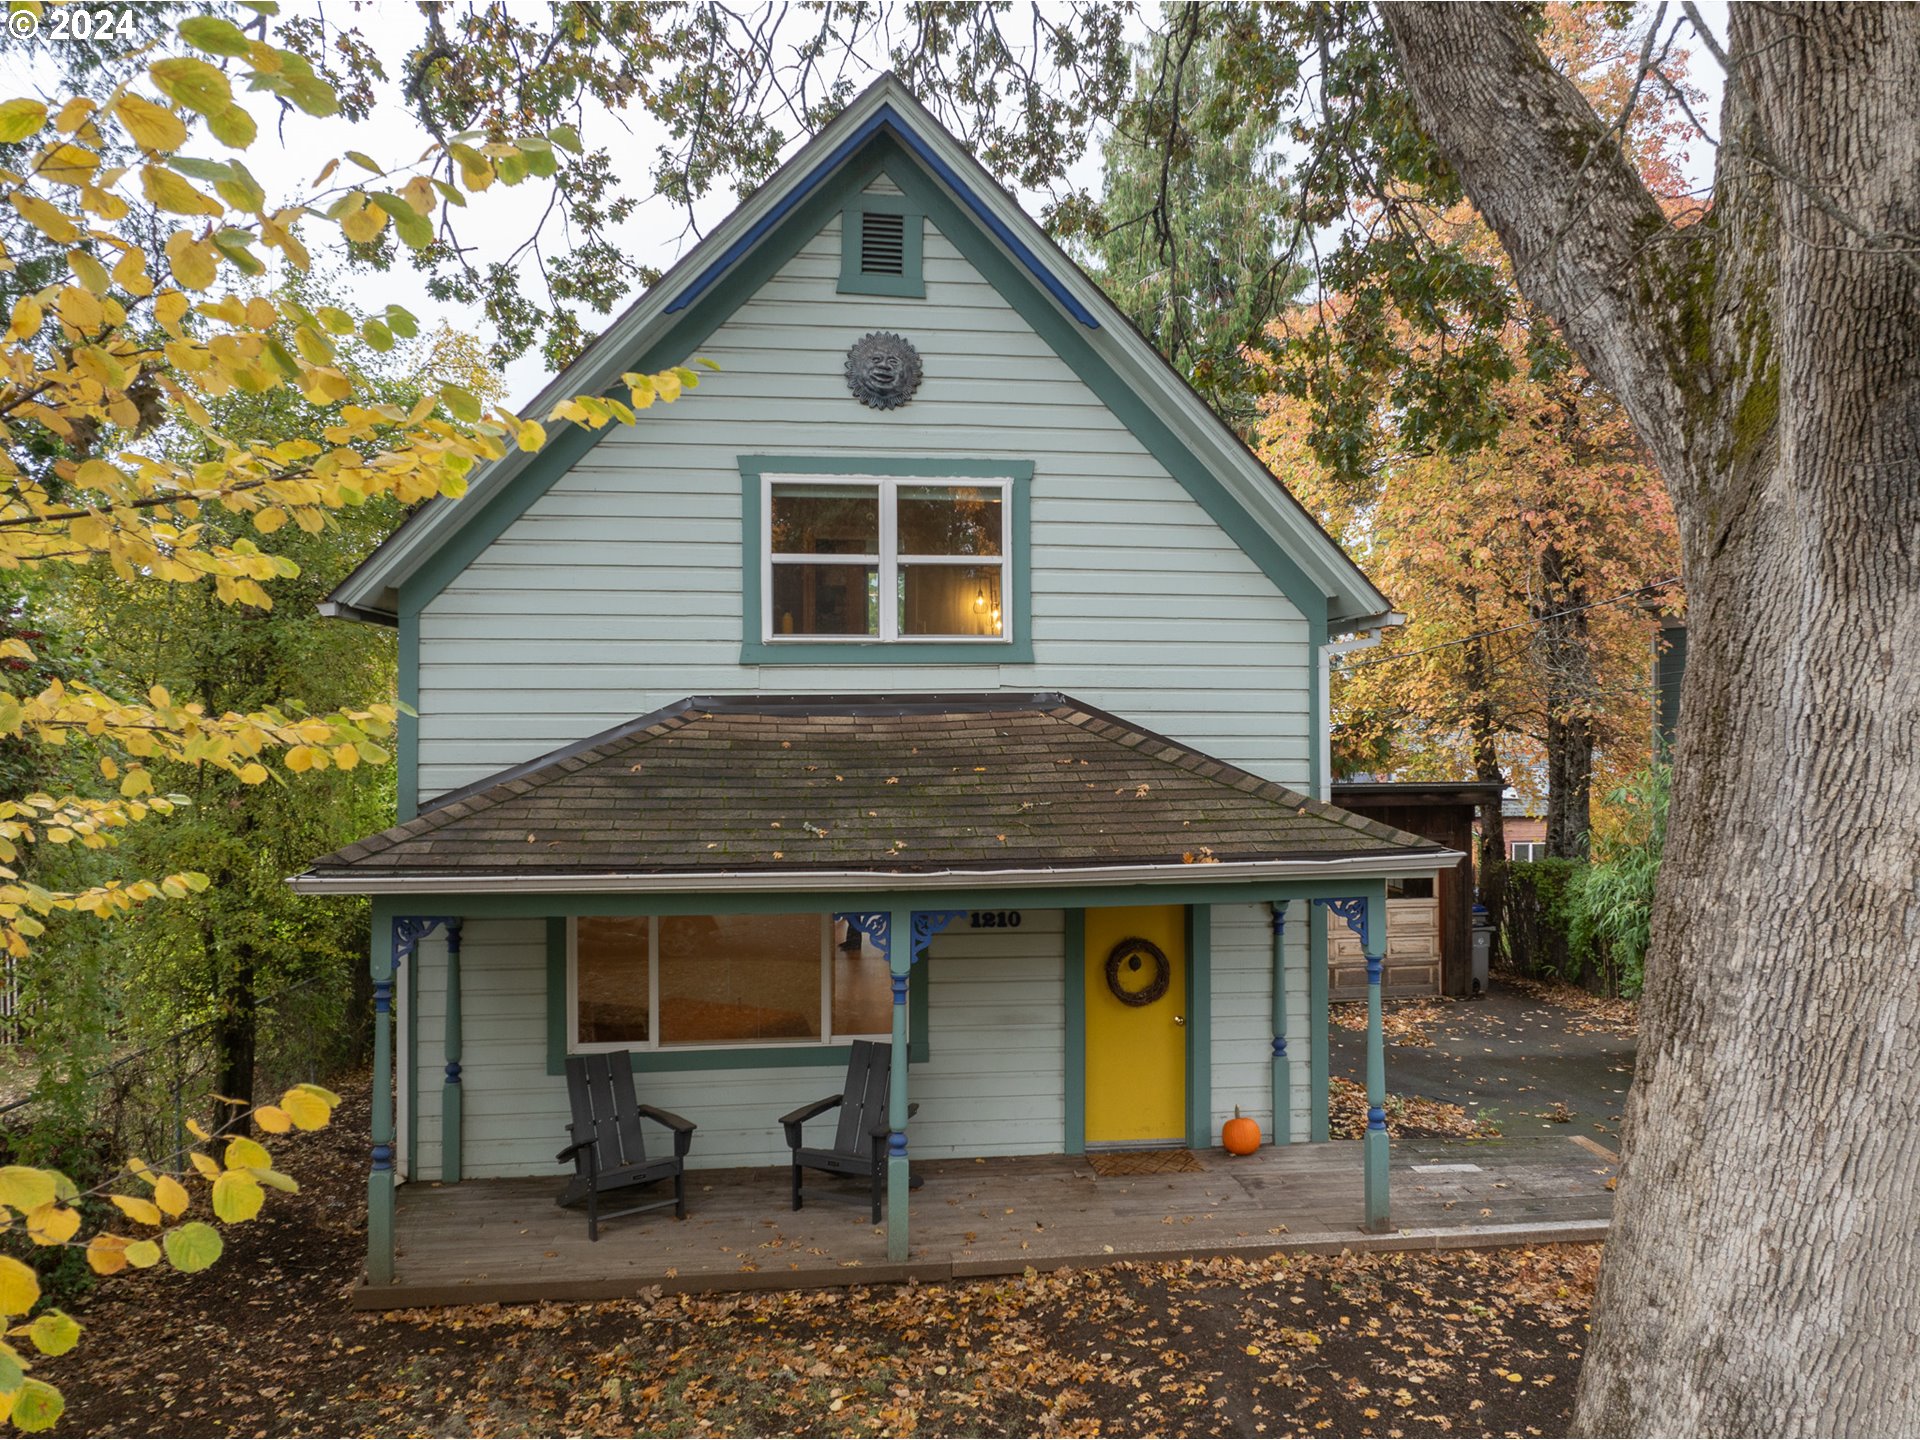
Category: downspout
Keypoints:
(1362, 634)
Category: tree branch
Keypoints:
(1586, 237)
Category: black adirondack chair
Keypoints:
(608, 1150)
(860, 1141)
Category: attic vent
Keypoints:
(883, 244)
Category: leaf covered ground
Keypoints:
(1464, 1343)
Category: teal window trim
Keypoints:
(1199, 1026)
(911, 282)
(1017, 649)
(412, 981)
(1074, 1051)
(919, 1012)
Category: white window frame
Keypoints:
(889, 558)
(575, 1046)
(1532, 846)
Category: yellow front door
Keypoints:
(1136, 1046)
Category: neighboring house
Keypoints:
(1526, 833)
(941, 649)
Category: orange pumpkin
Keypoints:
(1240, 1135)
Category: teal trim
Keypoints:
(715, 305)
(407, 725)
(410, 1060)
(452, 1091)
(1199, 1026)
(1074, 1056)
(900, 962)
(507, 905)
(380, 1251)
(556, 993)
(911, 283)
(1377, 1184)
(1016, 650)
(1318, 1086)
(1282, 1062)
(919, 1020)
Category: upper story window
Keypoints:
(880, 248)
(881, 559)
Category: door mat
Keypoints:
(1144, 1162)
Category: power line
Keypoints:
(1625, 595)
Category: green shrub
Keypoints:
(1612, 916)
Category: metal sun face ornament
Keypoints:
(883, 370)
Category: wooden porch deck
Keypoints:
(506, 1241)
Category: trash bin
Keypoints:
(1482, 947)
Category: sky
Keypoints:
(292, 154)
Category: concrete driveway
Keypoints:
(1527, 1064)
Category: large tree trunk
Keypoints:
(1765, 1257)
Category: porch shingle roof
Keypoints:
(890, 785)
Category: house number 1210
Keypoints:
(993, 919)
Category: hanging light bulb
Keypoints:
(980, 598)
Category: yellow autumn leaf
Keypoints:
(245, 1154)
(153, 127)
(19, 1287)
(273, 1120)
(237, 1197)
(363, 222)
(143, 1254)
(345, 756)
(171, 1196)
(309, 1111)
(52, 1224)
(24, 1188)
(195, 263)
(107, 1254)
(204, 1164)
(172, 191)
(80, 309)
(143, 1212)
(27, 318)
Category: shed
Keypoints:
(1429, 922)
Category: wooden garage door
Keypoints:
(1413, 953)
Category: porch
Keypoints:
(506, 1241)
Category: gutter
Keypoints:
(1407, 864)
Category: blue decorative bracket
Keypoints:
(1279, 908)
(410, 930)
(874, 926)
(1353, 910)
(926, 925)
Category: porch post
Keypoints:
(386, 942)
(450, 1092)
(1373, 941)
(1282, 1066)
(899, 963)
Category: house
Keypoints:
(1524, 829)
(1429, 921)
(942, 671)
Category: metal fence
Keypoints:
(140, 1103)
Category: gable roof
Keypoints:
(864, 792)
(679, 311)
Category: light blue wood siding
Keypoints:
(992, 1085)
(620, 590)
(1243, 1016)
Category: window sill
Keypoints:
(756, 1057)
(886, 652)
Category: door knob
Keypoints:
(1179, 1019)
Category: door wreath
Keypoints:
(1128, 956)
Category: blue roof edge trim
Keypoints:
(886, 118)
